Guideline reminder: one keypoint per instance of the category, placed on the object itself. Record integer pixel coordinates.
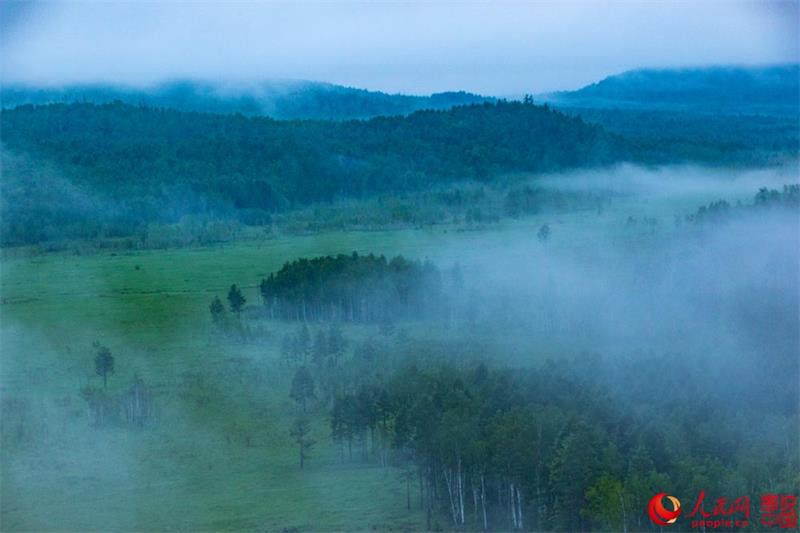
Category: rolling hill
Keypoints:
(710, 89)
(278, 99)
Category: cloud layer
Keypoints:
(504, 48)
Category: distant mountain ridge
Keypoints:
(280, 99)
(709, 88)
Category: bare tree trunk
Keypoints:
(448, 480)
(460, 492)
(408, 490)
(421, 489)
(430, 502)
(513, 507)
(483, 503)
(624, 518)
(474, 502)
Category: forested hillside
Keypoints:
(712, 88)
(117, 166)
(277, 99)
(83, 170)
(742, 115)
(753, 139)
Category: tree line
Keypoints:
(765, 198)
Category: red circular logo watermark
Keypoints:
(659, 514)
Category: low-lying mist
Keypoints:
(700, 312)
(612, 281)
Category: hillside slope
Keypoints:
(705, 89)
(117, 166)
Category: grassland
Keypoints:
(195, 469)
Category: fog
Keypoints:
(194, 339)
(504, 49)
(717, 301)
(691, 292)
(603, 282)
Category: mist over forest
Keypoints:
(281, 99)
(298, 306)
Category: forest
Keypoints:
(248, 168)
(771, 87)
(553, 448)
(569, 444)
(332, 266)
(136, 166)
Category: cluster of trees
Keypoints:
(231, 320)
(190, 230)
(236, 301)
(133, 406)
(529, 200)
(467, 204)
(324, 350)
(572, 445)
(121, 167)
(353, 288)
(787, 198)
(362, 415)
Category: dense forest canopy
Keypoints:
(130, 165)
(269, 163)
(85, 171)
(562, 447)
(734, 138)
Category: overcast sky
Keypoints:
(498, 48)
